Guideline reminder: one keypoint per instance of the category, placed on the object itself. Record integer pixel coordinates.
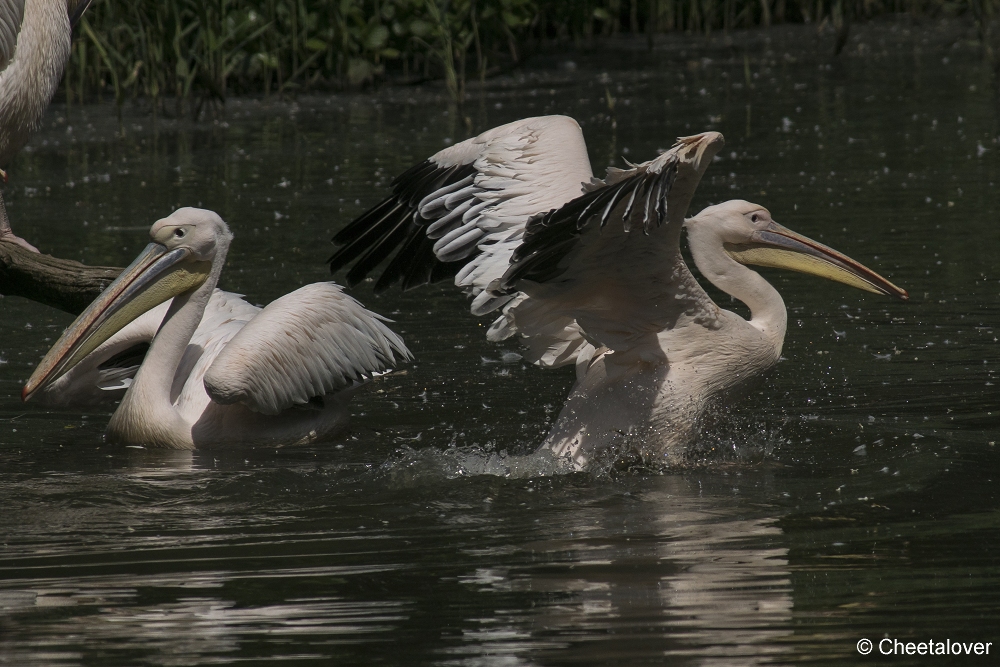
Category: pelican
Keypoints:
(34, 48)
(589, 272)
(278, 375)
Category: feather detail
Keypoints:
(311, 342)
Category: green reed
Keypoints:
(197, 51)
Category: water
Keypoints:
(851, 495)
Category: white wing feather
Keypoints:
(473, 200)
(309, 343)
(522, 168)
(609, 264)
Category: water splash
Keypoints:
(415, 467)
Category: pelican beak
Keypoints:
(156, 275)
(782, 248)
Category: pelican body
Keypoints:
(278, 375)
(589, 272)
(34, 47)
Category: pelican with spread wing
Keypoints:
(589, 272)
(236, 375)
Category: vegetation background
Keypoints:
(192, 51)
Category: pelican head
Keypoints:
(748, 235)
(184, 247)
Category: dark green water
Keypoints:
(852, 495)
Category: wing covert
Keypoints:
(463, 209)
(311, 342)
(588, 263)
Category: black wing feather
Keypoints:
(364, 222)
(540, 266)
(378, 229)
(400, 263)
(384, 247)
(421, 266)
(394, 225)
(446, 270)
(548, 238)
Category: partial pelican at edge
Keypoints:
(34, 47)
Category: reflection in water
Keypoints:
(675, 566)
(678, 572)
(150, 464)
(173, 587)
(733, 595)
(197, 622)
(191, 629)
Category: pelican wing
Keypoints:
(609, 261)
(464, 211)
(11, 14)
(465, 208)
(309, 343)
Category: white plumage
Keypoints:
(498, 180)
(34, 47)
(105, 374)
(218, 370)
(589, 272)
(11, 14)
(312, 342)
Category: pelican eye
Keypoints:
(754, 218)
(179, 233)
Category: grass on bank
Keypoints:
(192, 51)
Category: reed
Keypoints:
(196, 51)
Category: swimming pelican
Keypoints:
(278, 375)
(34, 48)
(589, 272)
(104, 375)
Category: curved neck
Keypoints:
(28, 83)
(767, 310)
(148, 405)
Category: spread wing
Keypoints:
(464, 209)
(309, 343)
(609, 261)
(11, 14)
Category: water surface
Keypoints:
(852, 494)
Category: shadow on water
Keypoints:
(851, 494)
